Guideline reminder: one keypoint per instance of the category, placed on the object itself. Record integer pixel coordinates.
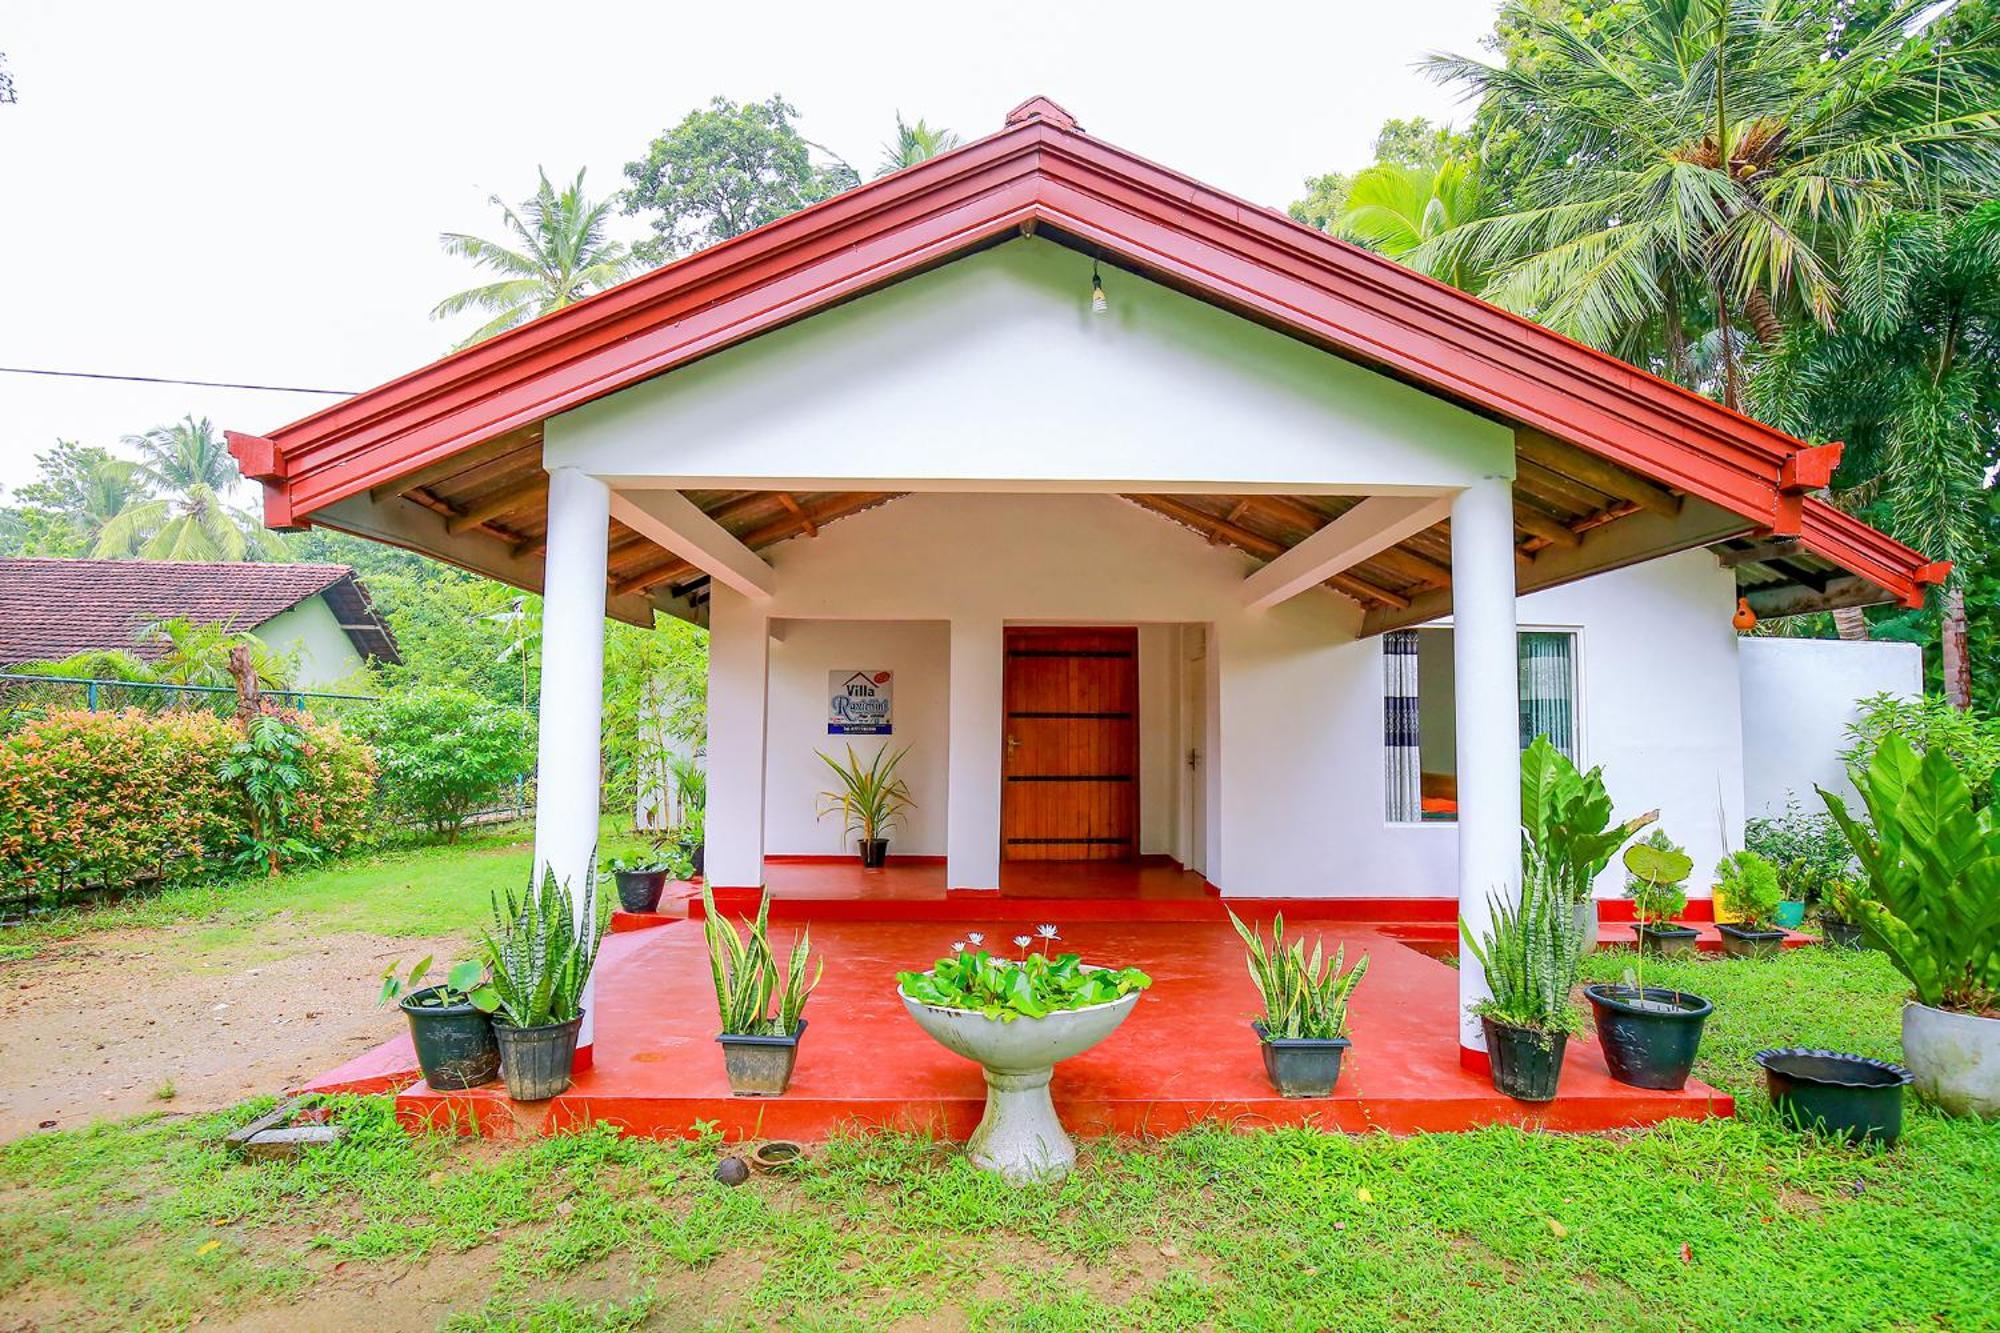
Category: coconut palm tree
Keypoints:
(913, 144)
(1909, 378)
(1395, 209)
(557, 254)
(188, 467)
(191, 653)
(1711, 155)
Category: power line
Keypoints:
(160, 379)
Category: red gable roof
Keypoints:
(50, 609)
(1042, 171)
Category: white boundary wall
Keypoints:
(1799, 695)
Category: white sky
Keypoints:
(253, 192)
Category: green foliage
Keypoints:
(1303, 997)
(445, 753)
(870, 799)
(77, 490)
(1566, 819)
(1747, 885)
(1399, 210)
(187, 469)
(747, 973)
(914, 143)
(268, 768)
(1969, 740)
(1656, 877)
(560, 253)
(540, 949)
(189, 652)
(1932, 863)
(1031, 986)
(1811, 855)
(465, 983)
(1530, 954)
(655, 713)
(724, 170)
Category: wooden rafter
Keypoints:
(507, 500)
(1255, 543)
(1596, 472)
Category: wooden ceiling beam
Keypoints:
(1538, 481)
(768, 535)
(1595, 472)
(1538, 524)
(1255, 543)
(502, 502)
(487, 528)
(1759, 552)
(465, 460)
(797, 511)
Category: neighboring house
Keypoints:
(318, 614)
(1268, 568)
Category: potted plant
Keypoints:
(1018, 1017)
(691, 786)
(1813, 864)
(870, 800)
(1656, 871)
(450, 1023)
(1566, 819)
(539, 953)
(759, 1047)
(1931, 901)
(641, 881)
(1838, 914)
(1530, 956)
(1303, 1033)
(1650, 1035)
(1749, 885)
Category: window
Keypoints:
(1420, 719)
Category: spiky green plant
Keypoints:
(870, 799)
(541, 949)
(747, 974)
(1303, 997)
(1530, 954)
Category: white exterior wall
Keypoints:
(1799, 696)
(326, 656)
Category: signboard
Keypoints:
(858, 703)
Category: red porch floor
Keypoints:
(1185, 1056)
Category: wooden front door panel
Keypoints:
(1070, 775)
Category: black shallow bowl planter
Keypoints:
(1849, 1096)
(1666, 941)
(1746, 942)
(1841, 934)
(1650, 1044)
(640, 890)
(760, 1066)
(1302, 1066)
(536, 1061)
(1527, 1064)
(455, 1044)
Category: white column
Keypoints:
(1486, 681)
(972, 815)
(572, 699)
(739, 665)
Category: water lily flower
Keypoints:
(958, 946)
(1047, 932)
(975, 937)
(1023, 941)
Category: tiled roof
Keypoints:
(52, 608)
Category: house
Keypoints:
(318, 614)
(1183, 531)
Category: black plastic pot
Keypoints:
(874, 852)
(1841, 934)
(697, 855)
(1846, 1095)
(1302, 1066)
(536, 1061)
(1645, 1046)
(455, 1045)
(640, 890)
(1745, 942)
(760, 1066)
(1666, 941)
(1527, 1064)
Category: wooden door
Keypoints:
(1071, 766)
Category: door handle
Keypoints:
(1013, 744)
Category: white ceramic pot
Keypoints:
(1953, 1058)
(1019, 1136)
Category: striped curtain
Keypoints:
(1548, 690)
(1403, 765)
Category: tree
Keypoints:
(1909, 378)
(191, 652)
(190, 467)
(1415, 143)
(445, 752)
(724, 170)
(1397, 210)
(913, 144)
(560, 255)
(1717, 152)
(77, 490)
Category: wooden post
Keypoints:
(249, 701)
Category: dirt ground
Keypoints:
(109, 1026)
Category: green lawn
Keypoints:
(1727, 1224)
(440, 889)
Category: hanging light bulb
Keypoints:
(1098, 305)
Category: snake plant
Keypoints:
(1303, 997)
(540, 950)
(747, 974)
(1530, 954)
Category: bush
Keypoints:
(1747, 885)
(1970, 741)
(446, 753)
(1809, 851)
(107, 799)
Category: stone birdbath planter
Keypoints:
(993, 1024)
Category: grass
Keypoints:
(1722, 1224)
(438, 889)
